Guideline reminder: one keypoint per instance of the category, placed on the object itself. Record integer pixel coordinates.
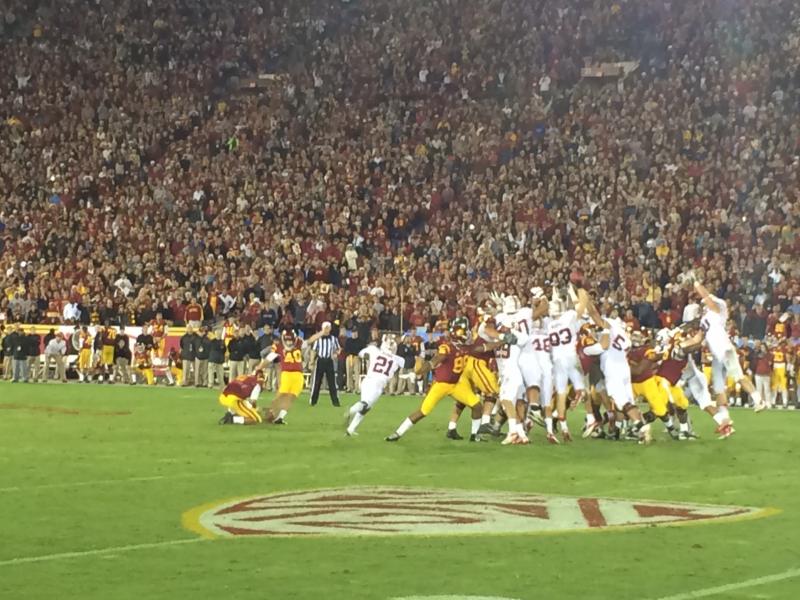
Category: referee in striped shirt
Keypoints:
(326, 348)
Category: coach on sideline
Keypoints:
(326, 348)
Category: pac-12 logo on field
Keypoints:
(411, 511)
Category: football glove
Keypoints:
(509, 338)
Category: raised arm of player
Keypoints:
(706, 297)
(596, 316)
(541, 308)
(583, 302)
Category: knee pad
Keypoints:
(365, 408)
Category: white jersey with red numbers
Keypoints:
(713, 325)
(564, 350)
(614, 364)
(539, 372)
(508, 356)
(382, 366)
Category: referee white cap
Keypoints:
(326, 324)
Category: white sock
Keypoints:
(548, 424)
(669, 423)
(451, 425)
(354, 408)
(238, 420)
(521, 430)
(720, 417)
(723, 410)
(512, 425)
(281, 414)
(589, 418)
(563, 425)
(357, 418)
(485, 419)
(685, 427)
(404, 426)
(476, 424)
(756, 397)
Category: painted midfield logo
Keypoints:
(409, 511)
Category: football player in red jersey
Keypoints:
(481, 370)
(448, 367)
(239, 398)
(290, 357)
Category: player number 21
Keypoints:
(382, 365)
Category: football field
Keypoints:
(132, 493)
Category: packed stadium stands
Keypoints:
(395, 160)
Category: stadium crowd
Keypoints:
(402, 160)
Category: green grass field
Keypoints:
(95, 480)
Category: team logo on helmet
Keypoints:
(288, 336)
(459, 329)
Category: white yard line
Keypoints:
(75, 484)
(730, 587)
(96, 552)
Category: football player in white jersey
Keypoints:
(563, 333)
(383, 364)
(541, 392)
(613, 348)
(512, 326)
(725, 362)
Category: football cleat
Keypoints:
(536, 416)
(566, 436)
(590, 429)
(551, 438)
(645, 434)
(393, 437)
(486, 428)
(349, 433)
(686, 436)
(511, 438)
(227, 419)
(475, 437)
(759, 407)
(725, 431)
(452, 434)
(522, 440)
(279, 422)
(672, 433)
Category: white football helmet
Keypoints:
(556, 309)
(389, 345)
(692, 312)
(511, 304)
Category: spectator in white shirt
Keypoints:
(71, 312)
(55, 351)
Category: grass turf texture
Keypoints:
(93, 480)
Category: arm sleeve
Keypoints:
(594, 350)
(255, 393)
(522, 338)
(272, 356)
(398, 362)
(364, 352)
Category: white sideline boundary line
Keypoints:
(76, 484)
(96, 552)
(747, 583)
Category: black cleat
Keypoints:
(393, 438)
(476, 437)
(227, 419)
(279, 422)
(452, 434)
(486, 429)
